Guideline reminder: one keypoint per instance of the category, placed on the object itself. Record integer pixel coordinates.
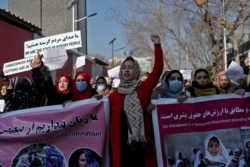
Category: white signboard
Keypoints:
(187, 74)
(17, 66)
(80, 61)
(68, 40)
(234, 71)
(2, 103)
(55, 58)
(116, 83)
(114, 72)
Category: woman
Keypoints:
(131, 132)
(198, 158)
(21, 95)
(54, 94)
(23, 161)
(225, 85)
(61, 92)
(202, 84)
(3, 92)
(84, 158)
(172, 86)
(178, 156)
(81, 87)
(102, 87)
(54, 157)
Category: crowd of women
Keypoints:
(131, 132)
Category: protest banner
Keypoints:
(179, 127)
(17, 66)
(68, 40)
(54, 134)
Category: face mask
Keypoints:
(175, 86)
(100, 87)
(81, 86)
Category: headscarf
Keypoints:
(105, 91)
(132, 105)
(68, 78)
(222, 156)
(165, 85)
(172, 160)
(179, 162)
(52, 153)
(198, 158)
(177, 154)
(193, 155)
(82, 95)
(23, 161)
(197, 90)
(22, 95)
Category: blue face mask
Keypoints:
(100, 87)
(175, 86)
(81, 86)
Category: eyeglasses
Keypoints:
(80, 80)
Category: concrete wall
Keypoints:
(50, 15)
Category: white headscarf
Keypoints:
(222, 156)
(198, 158)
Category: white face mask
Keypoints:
(100, 86)
(175, 86)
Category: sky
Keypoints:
(100, 29)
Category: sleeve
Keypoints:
(43, 84)
(154, 76)
(38, 80)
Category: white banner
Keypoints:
(68, 40)
(17, 66)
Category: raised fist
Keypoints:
(155, 39)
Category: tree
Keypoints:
(187, 27)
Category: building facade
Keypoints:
(56, 17)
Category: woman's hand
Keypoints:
(98, 96)
(36, 61)
(155, 39)
(150, 107)
(182, 98)
(241, 92)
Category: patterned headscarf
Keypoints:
(132, 105)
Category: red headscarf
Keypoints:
(85, 94)
(68, 78)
